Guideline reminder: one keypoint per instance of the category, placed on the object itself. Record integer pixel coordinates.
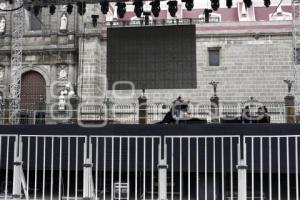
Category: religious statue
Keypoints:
(62, 74)
(1, 73)
(214, 84)
(290, 84)
(63, 23)
(2, 25)
(1, 101)
(62, 101)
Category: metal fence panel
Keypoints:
(273, 167)
(7, 143)
(125, 167)
(202, 167)
(53, 166)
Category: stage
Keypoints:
(155, 129)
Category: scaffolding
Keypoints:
(16, 61)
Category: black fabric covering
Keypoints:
(163, 131)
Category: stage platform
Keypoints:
(155, 129)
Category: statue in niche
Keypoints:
(1, 101)
(62, 74)
(63, 23)
(2, 25)
(1, 73)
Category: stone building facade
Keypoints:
(255, 56)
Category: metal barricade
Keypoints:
(202, 167)
(122, 162)
(52, 166)
(225, 167)
(273, 167)
(7, 153)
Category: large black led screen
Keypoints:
(161, 57)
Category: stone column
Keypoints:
(143, 109)
(214, 104)
(109, 110)
(214, 108)
(289, 102)
(91, 82)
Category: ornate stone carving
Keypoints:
(63, 23)
(1, 74)
(2, 25)
(62, 72)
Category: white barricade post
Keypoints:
(49, 167)
(19, 181)
(242, 171)
(88, 183)
(162, 172)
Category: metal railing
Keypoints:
(273, 167)
(202, 167)
(128, 113)
(53, 166)
(276, 110)
(128, 160)
(152, 167)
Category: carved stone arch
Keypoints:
(39, 70)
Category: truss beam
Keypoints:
(16, 62)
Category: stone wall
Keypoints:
(89, 80)
(249, 67)
(50, 51)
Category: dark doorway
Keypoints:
(33, 97)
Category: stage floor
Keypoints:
(155, 129)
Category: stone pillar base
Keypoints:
(290, 116)
(214, 108)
